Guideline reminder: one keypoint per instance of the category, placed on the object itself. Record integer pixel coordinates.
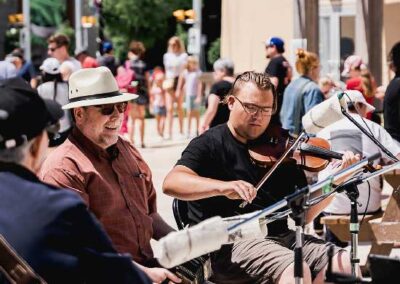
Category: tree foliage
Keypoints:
(145, 20)
(214, 52)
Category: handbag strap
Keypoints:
(299, 108)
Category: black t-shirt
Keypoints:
(109, 61)
(140, 69)
(278, 67)
(221, 89)
(391, 108)
(218, 155)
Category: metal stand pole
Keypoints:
(297, 204)
(298, 256)
(353, 194)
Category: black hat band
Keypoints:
(97, 96)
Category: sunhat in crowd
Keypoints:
(355, 96)
(352, 62)
(50, 66)
(94, 86)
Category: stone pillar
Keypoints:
(306, 23)
(369, 23)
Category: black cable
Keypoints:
(362, 119)
(366, 207)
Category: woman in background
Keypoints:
(216, 111)
(54, 88)
(174, 63)
(140, 83)
(303, 93)
(360, 79)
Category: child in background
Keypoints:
(157, 101)
(189, 81)
(327, 86)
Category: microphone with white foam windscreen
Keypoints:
(208, 236)
(324, 114)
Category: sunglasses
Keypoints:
(52, 49)
(108, 109)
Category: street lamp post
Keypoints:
(26, 11)
(196, 4)
(78, 26)
(195, 40)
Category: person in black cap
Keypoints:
(50, 229)
(278, 69)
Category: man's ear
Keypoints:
(229, 101)
(36, 142)
(78, 114)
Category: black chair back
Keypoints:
(180, 210)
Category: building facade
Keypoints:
(334, 29)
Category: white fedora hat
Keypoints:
(94, 86)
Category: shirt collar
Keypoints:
(18, 170)
(110, 153)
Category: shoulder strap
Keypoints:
(299, 108)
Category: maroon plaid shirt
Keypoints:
(116, 185)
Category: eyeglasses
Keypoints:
(254, 109)
(108, 109)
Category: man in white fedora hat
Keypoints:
(343, 135)
(107, 171)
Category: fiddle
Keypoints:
(313, 154)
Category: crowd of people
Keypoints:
(86, 210)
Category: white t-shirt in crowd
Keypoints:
(72, 64)
(46, 91)
(191, 82)
(174, 64)
(159, 96)
(344, 135)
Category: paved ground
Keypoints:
(161, 157)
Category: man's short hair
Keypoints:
(226, 65)
(15, 155)
(261, 80)
(59, 40)
(137, 47)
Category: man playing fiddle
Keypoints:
(215, 174)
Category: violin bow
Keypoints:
(276, 165)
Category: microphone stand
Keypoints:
(296, 202)
(369, 135)
(352, 192)
(297, 205)
(327, 182)
(354, 226)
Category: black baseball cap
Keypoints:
(23, 113)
